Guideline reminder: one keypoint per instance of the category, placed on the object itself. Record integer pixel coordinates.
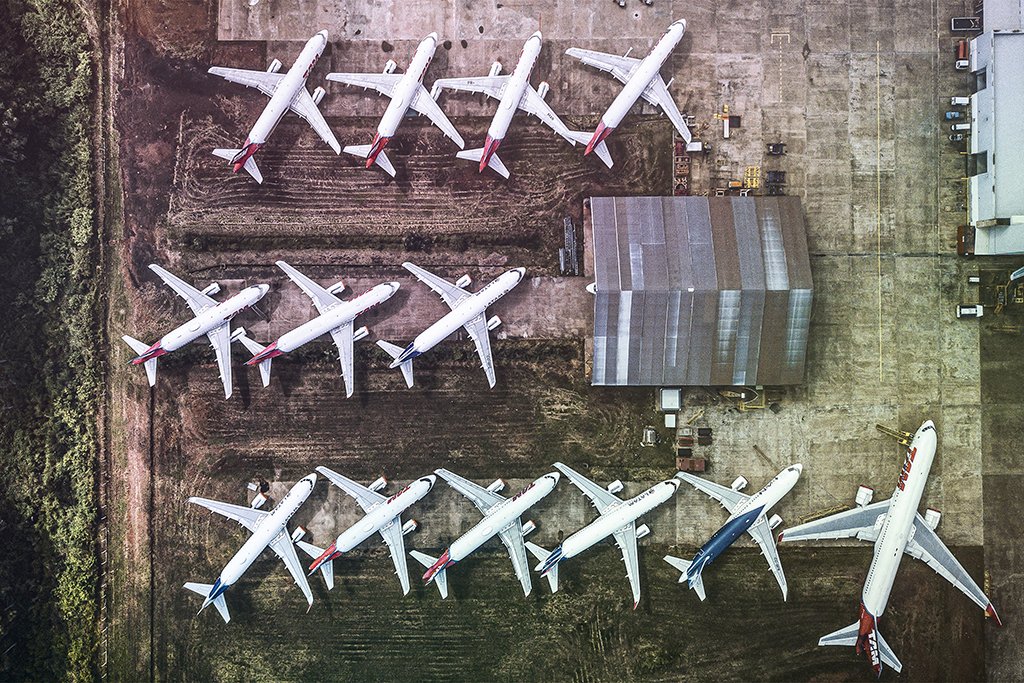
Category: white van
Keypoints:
(959, 126)
(969, 310)
(959, 101)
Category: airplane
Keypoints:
(286, 92)
(212, 319)
(336, 318)
(468, 310)
(514, 92)
(616, 518)
(406, 92)
(501, 518)
(641, 78)
(895, 527)
(383, 516)
(268, 529)
(746, 513)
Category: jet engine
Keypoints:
(864, 495)
(542, 89)
(390, 66)
(274, 67)
(738, 484)
(614, 487)
(493, 322)
(409, 527)
(298, 534)
(361, 333)
(336, 288)
(318, 95)
(529, 527)
(464, 281)
(497, 486)
(774, 522)
(931, 518)
(211, 289)
(642, 530)
(495, 69)
(378, 484)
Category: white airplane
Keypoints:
(501, 518)
(642, 79)
(336, 318)
(383, 516)
(406, 92)
(212, 319)
(286, 92)
(617, 518)
(895, 527)
(468, 310)
(747, 513)
(514, 92)
(268, 529)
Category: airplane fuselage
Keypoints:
(722, 539)
(646, 71)
(383, 514)
(344, 312)
(515, 89)
(287, 90)
(406, 90)
(210, 319)
(771, 493)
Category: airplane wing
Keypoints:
(533, 103)
(925, 545)
(342, 336)
(451, 294)
(483, 499)
(321, 298)
(729, 498)
(246, 516)
(392, 535)
(619, 67)
(305, 107)
(195, 299)
(657, 94)
(599, 496)
(861, 522)
(285, 549)
(512, 537)
(492, 86)
(264, 81)
(762, 535)
(425, 104)
(625, 538)
(220, 340)
(477, 328)
(366, 498)
(382, 83)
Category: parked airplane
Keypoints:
(268, 529)
(336, 318)
(383, 516)
(406, 91)
(895, 527)
(501, 518)
(286, 92)
(747, 513)
(468, 310)
(212, 319)
(617, 518)
(641, 78)
(514, 92)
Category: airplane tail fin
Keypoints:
(395, 352)
(250, 164)
(255, 348)
(877, 650)
(140, 348)
(541, 556)
(204, 589)
(326, 568)
(440, 578)
(494, 162)
(600, 148)
(364, 151)
(696, 582)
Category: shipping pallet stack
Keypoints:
(686, 439)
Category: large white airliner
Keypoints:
(336, 318)
(406, 92)
(746, 514)
(895, 527)
(212, 319)
(501, 518)
(641, 78)
(617, 518)
(268, 529)
(286, 92)
(514, 92)
(383, 516)
(468, 310)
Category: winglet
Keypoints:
(440, 578)
(395, 352)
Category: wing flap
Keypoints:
(423, 103)
(451, 294)
(321, 298)
(762, 535)
(195, 299)
(483, 499)
(477, 329)
(657, 94)
(306, 108)
(625, 538)
(929, 548)
(342, 336)
(393, 537)
(285, 549)
(382, 83)
(246, 516)
(366, 498)
(727, 497)
(619, 67)
(861, 522)
(599, 496)
(492, 86)
(220, 340)
(533, 104)
(264, 81)
(512, 537)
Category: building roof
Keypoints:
(699, 290)
(1004, 15)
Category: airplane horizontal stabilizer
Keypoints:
(848, 636)
(140, 348)
(364, 151)
(476, 154)
(600, 148)
(541, 556)
(696, 582)
(250, 163)
(395, 352)
(255, 348)
(440, 578)
(326, 568)
(204, 589)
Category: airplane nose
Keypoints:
(927, 424)
(263, 289)
(433, 35)
(431, 478)
(394, 286)
(311, 477)
(798, 467)
(537, 35)
(681, 22)
(323, 33)
(556, 476)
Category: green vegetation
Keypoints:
(49, 358)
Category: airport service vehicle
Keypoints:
(616, 518)
(958, 127)
(514, 92)
(268, 529)
(895, 527)
(746, 514)
(287, 92)
(337, 318)
(641, 78)
(406, 92)
(501, 517)
(211, 318)
(468, 310)
(956, 137)
(970, 310)
(953, 115)
(959, 101)
(383, 516)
